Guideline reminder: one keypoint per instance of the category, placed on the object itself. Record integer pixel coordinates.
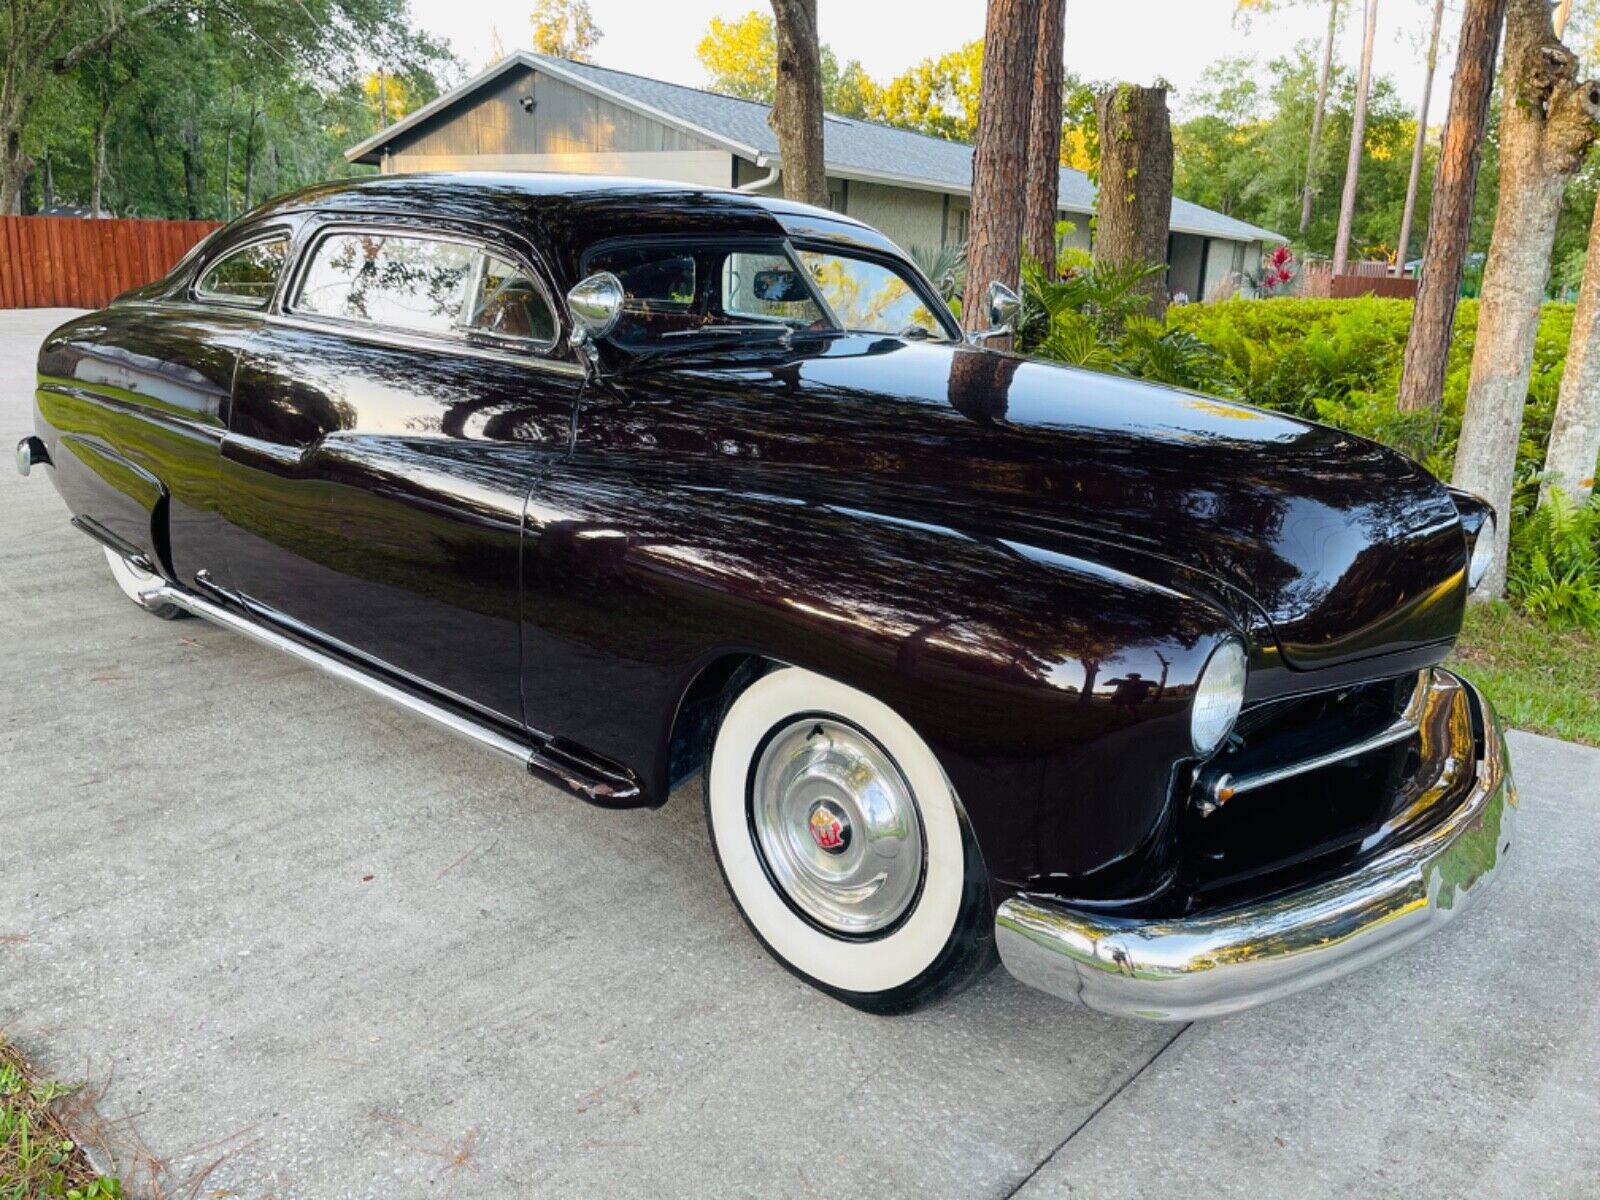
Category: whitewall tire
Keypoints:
(843, 844)
(134, 582)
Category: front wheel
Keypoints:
(135, 582)
(843, 845)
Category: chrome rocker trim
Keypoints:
(545, 757)
(1219, 963)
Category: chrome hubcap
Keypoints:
(837, 826)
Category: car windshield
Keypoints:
(679, 295)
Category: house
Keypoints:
(531, 112)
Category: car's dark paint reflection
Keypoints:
(1030, 563)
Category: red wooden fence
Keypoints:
(67, 262)
(1358, 279)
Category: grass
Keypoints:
(38, 1157)
(1538, 678)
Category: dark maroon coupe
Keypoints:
(632, 481)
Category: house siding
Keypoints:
(564, 120)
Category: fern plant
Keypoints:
(1554, 570)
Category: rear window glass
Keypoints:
(247, 276)
(399, 281)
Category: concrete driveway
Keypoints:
(286, 928)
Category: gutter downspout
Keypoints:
(767, 180)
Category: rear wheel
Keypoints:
(843, 844)
(134, 582)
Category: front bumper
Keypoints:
(1222, 962)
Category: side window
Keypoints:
(247, 276)
(418, 284)
(869, 297)
(765, 287)
(509, 304)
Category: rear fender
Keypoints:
(103, 489)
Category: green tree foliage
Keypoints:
(218, 104)
(564, 29)
(938, 96)
(1241, 148)
(741, 59)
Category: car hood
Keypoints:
(1349, 549)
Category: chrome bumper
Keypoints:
(1222, 962)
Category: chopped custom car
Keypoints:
(1135, 689)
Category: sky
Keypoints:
(1133, 40)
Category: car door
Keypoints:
(387, 423)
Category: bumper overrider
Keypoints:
(1224, 961)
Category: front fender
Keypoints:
(1054, 689)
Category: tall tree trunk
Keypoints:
(192, 182)
(1000, 155)
(1444, 255)
(1569, 463)
(250, 160)
(1324, 79)
(1421, 143)
(796, 115)
(1547, 123)
(97, 189)
(47, 185)
(1044, 137)
(102, 123)
(14, 167)
(227, 176)
(1358, 139)
(1134, 206)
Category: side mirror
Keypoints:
(596, 305)
(1004, 306)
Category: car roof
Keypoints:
(536, 189)
(571, 213)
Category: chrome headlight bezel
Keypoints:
(1482, 552)
(1218, 696)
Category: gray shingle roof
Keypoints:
(852, 148)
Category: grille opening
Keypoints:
(1308, 824)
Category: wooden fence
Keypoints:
(67, 262)
(1358, 279)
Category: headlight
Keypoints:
(1482, 552)
(1218, 697)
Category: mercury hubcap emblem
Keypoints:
(836, 825)
(830, 828)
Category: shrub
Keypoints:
(1554, 570)
(1338, 361)
(1090, 316)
